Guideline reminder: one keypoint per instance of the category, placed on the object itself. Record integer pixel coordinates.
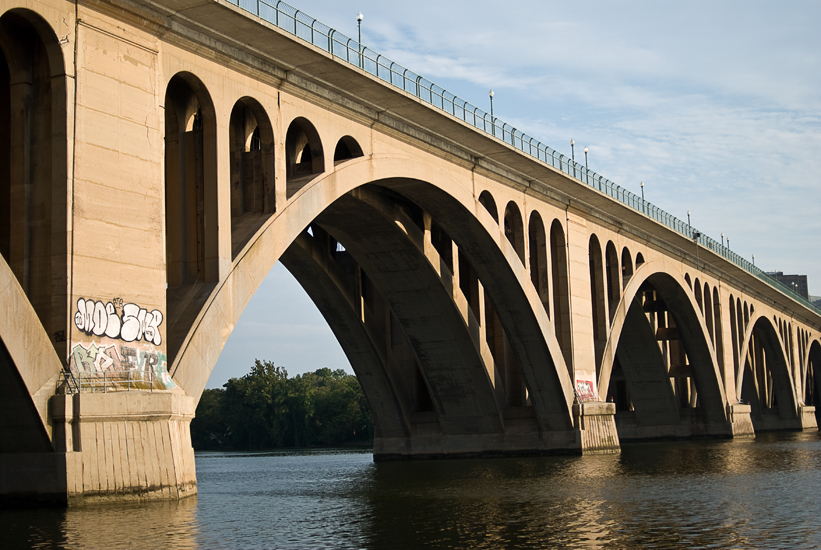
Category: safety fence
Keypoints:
(108, 381)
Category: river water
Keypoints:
(762, 493)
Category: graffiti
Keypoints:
(128, 322)
(585, 390)
(60, 336)
(99, 358)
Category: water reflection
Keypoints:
(755, 493)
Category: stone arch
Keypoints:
(719, 330)
(613, 276)
(502, 275)
(191, 228)
(639, 259)
(687, 280)
(708, 312)
(514, 229)
(812, 376)
(631, 325)
(253, 193)
(537, 248)
(698, 295)
(347, 148)
(304, 155)
(486, 200)
(598, 299)
(561, 291)
(765, 381)
(626, 266)
(33, 164)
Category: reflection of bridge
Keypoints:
(157, 158)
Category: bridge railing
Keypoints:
(346, 49)
(106, 381)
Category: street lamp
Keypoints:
(573, 150)
(642, 198)
(728, 242)
(722, 240)
(492, 123)
(359, 18)
(585, 158)
(753, 260)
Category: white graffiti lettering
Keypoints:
(133, 325)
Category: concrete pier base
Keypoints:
(108, 446)
(596, 427)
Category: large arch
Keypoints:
(459, 213)
(811, 365)
(765, 379)
(632, 340)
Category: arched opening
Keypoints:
(304, 156)
(639, 260)
(765, 383)
(486, 200)
(192, 264)
(611, 260)
(346, 149)
(734, 330)
(626, 266)
(33, 148)
(514, 229)
(718, 329)
(561, 292)
(538, 259)
(598, 299)
(812, 379)
(253, 197)
(697, 292)
(687, 280)
(663, 378)
(708, 312)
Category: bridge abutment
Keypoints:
(108, 446)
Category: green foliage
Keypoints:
(265, 409)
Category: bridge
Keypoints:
(158, 157)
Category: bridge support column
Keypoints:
(108, 446)
(742, 424)
(596, 427)
(806, 414)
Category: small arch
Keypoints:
(486, 199)
(639, 259)
(561, 291)
(718, 327)
(734, 334)
(598, 299)
(514, 230)
(304, 155)
(708, 312)
(538, 259)
(611, 262)
(688, 281)
(626, 266)
(347, 148)
(253, 196)
(697, 289)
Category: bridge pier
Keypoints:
(108, 446)
(596, 427)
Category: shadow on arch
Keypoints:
(765, 381)
(659, 365)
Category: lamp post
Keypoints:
(585, 159)
(492, 123)
(359, 18)
(728, 242)
(573, 156)
(722, 240)
(753, 260)
(643, 208)
(688, 218)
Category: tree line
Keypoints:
(266, 410)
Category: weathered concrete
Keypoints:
(159, 157)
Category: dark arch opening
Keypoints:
(561, 292)
(598, 299)
(639, 260)
(486, 199)
(611, 261)
(626, 267)
(812, 379)
(304, 155)
(253, 196)
(33, 149)
(347, 148)
(538, 259)
(514, 229)
(192, 238)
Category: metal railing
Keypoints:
(107, 381)
(346, 49)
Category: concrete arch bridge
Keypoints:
(157, 158)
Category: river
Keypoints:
(761, 493)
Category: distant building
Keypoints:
(816, 300)
(797, 283)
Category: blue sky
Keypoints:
(714, 105)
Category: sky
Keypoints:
(715, 106)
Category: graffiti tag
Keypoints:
(585, 390)
(98, 358)
(128, 322)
